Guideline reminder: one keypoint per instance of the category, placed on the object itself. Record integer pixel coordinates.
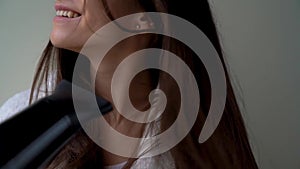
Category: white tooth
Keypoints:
(57, 13)
(65, 13)
(61, 13)
(70, 14)
(75, 15)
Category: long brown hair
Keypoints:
(227, 148)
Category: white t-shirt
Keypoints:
(116, 166)
(14, 105)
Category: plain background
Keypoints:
(261, 40)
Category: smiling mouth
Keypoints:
(67, 14)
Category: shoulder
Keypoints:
(20, 100)
(14, 105)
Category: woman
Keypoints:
(76, 21)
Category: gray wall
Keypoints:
(261, 41)
(24, 30)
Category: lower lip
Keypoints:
(59, 19)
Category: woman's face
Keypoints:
(77, 20)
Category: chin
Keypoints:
(57, 40)
(63, 44)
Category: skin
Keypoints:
(73, 34)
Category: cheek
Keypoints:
(95, 16)
(94, 21)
